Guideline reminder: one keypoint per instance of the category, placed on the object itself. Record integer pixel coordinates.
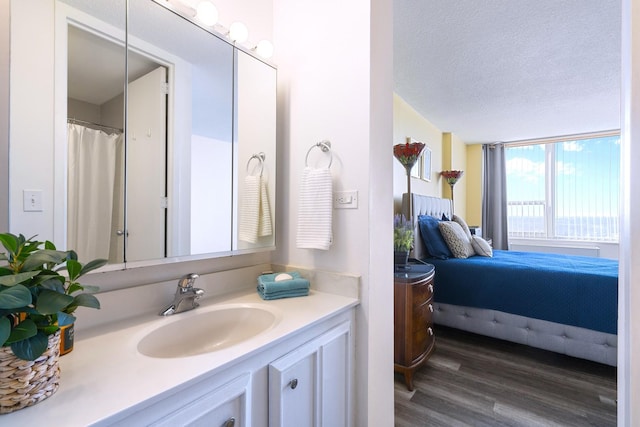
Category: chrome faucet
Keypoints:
(185, 297)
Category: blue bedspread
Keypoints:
(571, 290)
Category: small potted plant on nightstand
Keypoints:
(402, 240)
(36, 301)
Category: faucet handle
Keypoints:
(187, 280)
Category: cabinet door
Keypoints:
(293, 390)
(218, 411)
(227, 405)
(311, 386)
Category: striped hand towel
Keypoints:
(250, 210)
(315, 211)
(265, 228)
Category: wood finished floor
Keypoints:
(473, 380)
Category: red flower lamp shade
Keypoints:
(452, 176)
(408, 153)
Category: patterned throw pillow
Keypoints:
(481, 246)
(463, 224)
(457, 240)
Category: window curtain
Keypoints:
(91, 188)
(494, 197)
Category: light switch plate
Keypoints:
(345, 200)
(32, 200)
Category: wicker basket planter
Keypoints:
(25, 383)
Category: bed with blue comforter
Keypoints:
(571, 290)
(563, 303)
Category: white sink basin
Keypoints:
(206, 331)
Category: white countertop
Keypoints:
(105, 374)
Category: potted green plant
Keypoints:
(36, 300)
(402, 240)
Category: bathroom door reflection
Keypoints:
(199, 118)
(146, 192)
(95, 145)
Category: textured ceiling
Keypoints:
(507, 70)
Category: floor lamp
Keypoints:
(452, 177)
(408, 154)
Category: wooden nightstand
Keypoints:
(413, 326)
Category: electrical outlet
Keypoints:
(345, 200)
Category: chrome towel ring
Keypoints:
(325, 146)
(260, 157)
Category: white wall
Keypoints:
(335, 82)
(209, 217)
(82, 110)
(31, 144)
(629, 286)
(4, 112)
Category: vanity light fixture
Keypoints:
(238, 32)
(264, 48)
(207, 13)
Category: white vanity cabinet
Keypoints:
(304, 380)
(204, 404)
(310, 385)
(242, 385)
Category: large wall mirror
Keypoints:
(154, 139)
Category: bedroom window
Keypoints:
(564, 189)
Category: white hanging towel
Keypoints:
(250, 210)
(255, 213)
(265, 227)
(315, 212)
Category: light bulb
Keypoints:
(238, 32)
(264, 48)
(207, 13)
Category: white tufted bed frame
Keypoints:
(566, 339)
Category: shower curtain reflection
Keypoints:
(94, 193)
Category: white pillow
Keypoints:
(481, 246)
(457, 240)
(463, 224)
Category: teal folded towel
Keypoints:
(287, 294)
(268, 288)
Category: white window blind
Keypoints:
(566, 190)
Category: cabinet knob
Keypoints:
(431, 308)
(430, 288)
(293, 383)
(430, 330)
(229, 423)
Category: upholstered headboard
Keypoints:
(424, 205)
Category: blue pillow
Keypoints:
(432, 238)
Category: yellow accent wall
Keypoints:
(407, 122)
(454, 157)
(474, 184)
(448, 152)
